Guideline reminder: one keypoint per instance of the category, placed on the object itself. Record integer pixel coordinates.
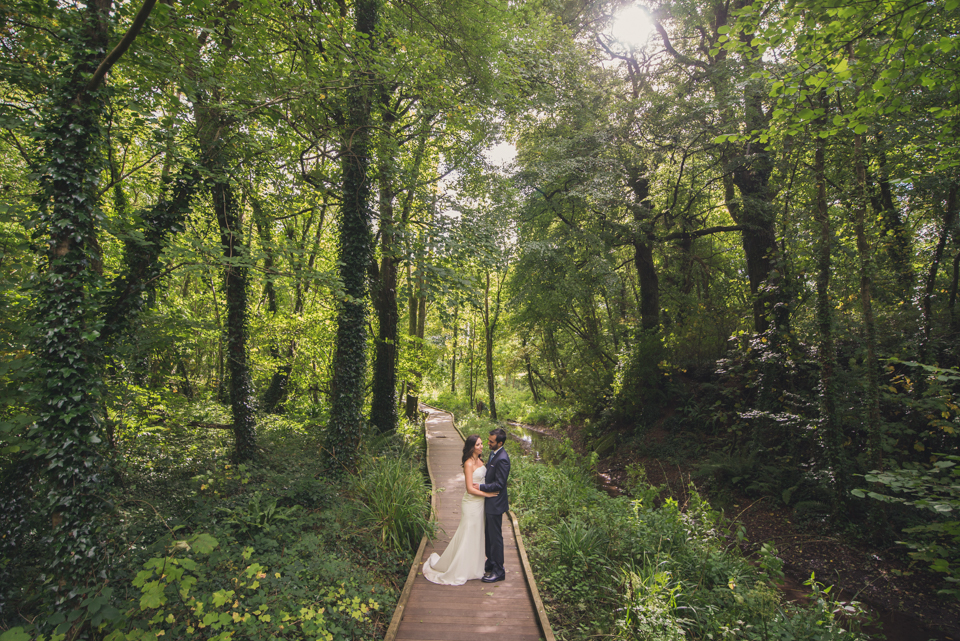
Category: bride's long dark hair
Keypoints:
(468, 447)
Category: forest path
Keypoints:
(430, 612)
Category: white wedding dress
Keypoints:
(464, 557)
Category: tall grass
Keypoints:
(394, 498)
(391, 484)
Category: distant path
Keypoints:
(429, 612)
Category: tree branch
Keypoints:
(122, 46)
(673, 52)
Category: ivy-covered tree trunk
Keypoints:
(235, 290)
(830, 426)
(354, 250)
(212, 124)
(896, 239)
(68, 430)
(749, 167)
(872, 375)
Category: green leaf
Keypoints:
(15, 634)
(153, 596)
(203, 543)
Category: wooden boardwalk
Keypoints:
(429, 612)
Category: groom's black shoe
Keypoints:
(493, 579)
(487, 574)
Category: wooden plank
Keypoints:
(453, 632)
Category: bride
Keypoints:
(464, 557)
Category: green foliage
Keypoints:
(639, 389)
(394, 500)
(260, 515)
(287, 542)
(932, 489)
(636, 570)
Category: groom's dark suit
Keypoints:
(498, 470)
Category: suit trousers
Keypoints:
(493, 543)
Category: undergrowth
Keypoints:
(635, 568)
(205, 549)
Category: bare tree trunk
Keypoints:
(413, 307)
(643, 253)
(383, 406)
(949, 223)
(530, 380)
(453, 361)
(472, 384)
(490, 319)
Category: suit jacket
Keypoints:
(498, 470)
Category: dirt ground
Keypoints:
(902, 598)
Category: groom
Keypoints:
(498, 469)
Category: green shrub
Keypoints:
(394, 500)
(640, 382)
(936, 491)
(634, 570)
(278, 518)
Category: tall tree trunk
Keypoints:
(954, 286)
(383, 410)
(829, 423)
(946, 231)
(490, 319)
(383, 406)
(758, 216)
(872, 382)
(530, 380)
(896, 235)
(235, 287)
(69, 424)
(748, 168)
(413, 308)
(643, 252)
(472, 388)
(277, 390)
(453, 361)
(212, 127)
(354, 252)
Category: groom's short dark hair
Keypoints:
(500, 435)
